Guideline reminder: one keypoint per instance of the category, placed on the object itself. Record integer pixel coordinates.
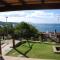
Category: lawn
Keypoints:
(38, 50)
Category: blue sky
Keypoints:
(32, 16)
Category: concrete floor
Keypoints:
(18, 58)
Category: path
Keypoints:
(19, 58)
(7, 46)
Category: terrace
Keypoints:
(43, 51)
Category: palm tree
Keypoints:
(12, 33)
(9, 29)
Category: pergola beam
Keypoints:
(31, 7)
(14, 5)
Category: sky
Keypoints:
(32, 16)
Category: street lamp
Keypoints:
(6, 19)
(6, 27)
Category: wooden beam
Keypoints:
(31, 7)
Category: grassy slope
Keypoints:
(43, 51)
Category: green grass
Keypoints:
(39, 50)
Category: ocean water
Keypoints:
(48, 27)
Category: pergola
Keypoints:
(13, 5)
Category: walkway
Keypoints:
(19, 58)
(7, 46)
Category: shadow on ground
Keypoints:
(20, 43)
(24, 54)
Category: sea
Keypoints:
(47, 27)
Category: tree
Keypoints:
(9, 29)
(26, 31)
(1, 30)
(11, 32)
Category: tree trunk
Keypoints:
(0, 49)
(13, 43)
(3, 37)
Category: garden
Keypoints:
(33, 44)
(35, 50)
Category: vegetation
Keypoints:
(25, 30)
(28, 49)
(21, 30)
(6, 30)
(39, 50)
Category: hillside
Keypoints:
(2, 23)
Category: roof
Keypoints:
(8, 5)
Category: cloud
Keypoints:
(33, 16)
(42, 17)
(12, 14)
(42, 14)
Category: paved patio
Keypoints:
(7, 46)
(19, 58)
